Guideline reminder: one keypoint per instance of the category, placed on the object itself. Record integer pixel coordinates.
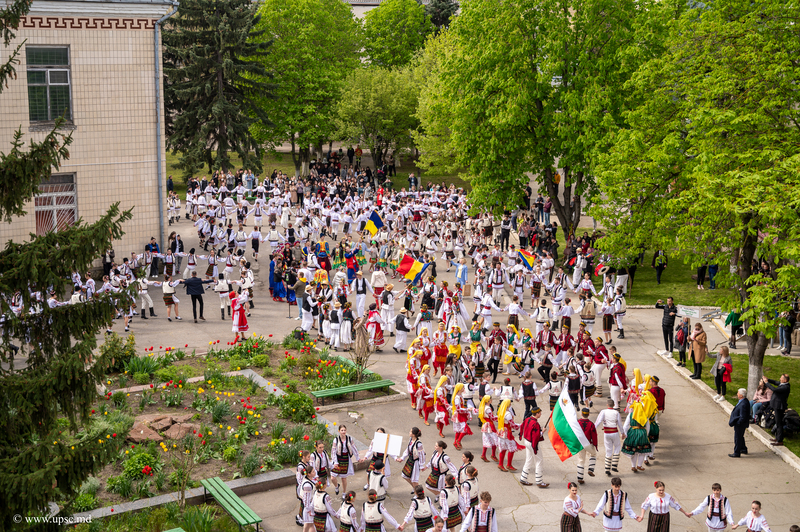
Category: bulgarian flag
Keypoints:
(565, 433)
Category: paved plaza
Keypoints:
(691, 454)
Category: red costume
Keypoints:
(565, 341)
(618, 375)
(589, 430)
(440, 351)
(660, 396)
(544, 338)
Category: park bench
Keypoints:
(353, 388)
(230, 502)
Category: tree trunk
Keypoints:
(296, 159)
(562, 209)
(756, 347)
(305, 158)
(222, 139)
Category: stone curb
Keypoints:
(399, 396)
(653, 306)
(756, 431)
(240, 486)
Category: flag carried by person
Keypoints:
(565, 432)
(411, 269)
(374, 222)
(527, 259)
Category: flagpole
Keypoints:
(548, 421)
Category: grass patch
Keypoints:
(774, 367)
(676, 281)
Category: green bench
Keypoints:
(353, 388)
(230, 502)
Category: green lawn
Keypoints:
(676, 281)
(774, 367)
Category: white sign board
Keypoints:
(689, 312)
(391, 444)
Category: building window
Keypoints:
(56, 204)
(49, 91)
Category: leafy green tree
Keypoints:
(533, 88)
(310, 62)
(213, 62)
(41, 460)
(440, 12)
(378, 106)
(709, 165)
(394, 31)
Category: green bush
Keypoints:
(141, 378)
(219, 411)
(176, 478)
(167, 374)
(260, 361)
(297, 407)
(90, 486)
(123, 380)
(291, 385)
(230, 454)
(118, 351)
(119, 399)
(237, 363)
(84, 502)
(146, 364)
(132, 467)
(268, 372)
(251, 464)
(121, 485)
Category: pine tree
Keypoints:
(440, 12)
(41, 460)
(213, 63)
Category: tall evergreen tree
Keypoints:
(440, 12)
(213, 61)
(40, 459)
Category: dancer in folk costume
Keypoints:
(239, 318)
(439, 342)
(440, 465)
(454, 350)
(320, 460)
(573, 507)
(375, 325)
(421, 510)
(414, 458)
(530, 433)
(469, 487)
(347, 514)
(373, 514)
(659, 504)
(482, 517)
(636, 443)
(610, 422)
(305, 492)
(425, 345)
(590, 431)
(413, 369)
(461, 413)
(717, 509)
(343, 455)
(451, 503)
(614, 504)
(755, 520)
(323, 511)
(425, 394)
(505, 430)
(377, 455)
(441, 405)
(488, 430)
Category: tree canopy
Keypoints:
(709, 164)
(213, 66)
(394, 31)
(531, 88)
(310, 62)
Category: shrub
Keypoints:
(147, 365)
(119, 399)
(123, 380)
(230, 454)
(237, 363)
(260, 361)
(172, 397)
(219, 411)
(297, 407)
(120, 485)
(167, 374)
(141, 378)
(84, 502)
(119, 351)
(133, 466)
(268, 372)
(90, 486)
(290, 342)
(251, 463)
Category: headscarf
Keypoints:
(501, 413)
(456, 391)
(484, 401)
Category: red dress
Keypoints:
(239, 316)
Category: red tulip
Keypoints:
(92, 411)
(114, 435)
(313, 416)
(305, 437)
(317, 409)
(270, 336)
(204, 442)
(186, 345)
(151, 385)
(160, 347)
(112, 509)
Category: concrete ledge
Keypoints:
(760, 434)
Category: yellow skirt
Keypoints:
(455, 350)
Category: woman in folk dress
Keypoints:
(461, 415)
(425, 394)
(573, 507)
(413, 369)
(239, 311)
(374, 456)
(323, 511)
(441, 405)
(505, 431)
(343, 455)
(321, 462)
(305, 492)
(488, 430)
(659, 504)
(414, 458)
(440, 465)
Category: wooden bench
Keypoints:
(230, 502)
(353, 388)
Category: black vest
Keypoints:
(400, 324)
(361, 287)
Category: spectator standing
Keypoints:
(546, 208)
(740, 420)
(177, 247)
(170, 185)
(300, 293)
(660, 264)
(413, 182)
(350, 154)
(539, 207)
(701, 276)
(152, 247)
(194, 288)
(735, 322)
(668, 323)
(785, 332)
(721, 370)
(712, 273)
(779, 403)
(699, 340)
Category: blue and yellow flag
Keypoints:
(374, 222)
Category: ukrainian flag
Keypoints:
(374, 223)
(411, 269)
(527, 259)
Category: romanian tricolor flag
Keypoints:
(411, 269)
(374, 222)
(527, 259)
(565, 432)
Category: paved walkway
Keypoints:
(692, 453)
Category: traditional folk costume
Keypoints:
(441, 405)
(478, 520)
(343, 455)
(610, 422)
(374, 456)
(461, 415)
(414, 457)
(422, 511)
(424, 395)
(718, 512)
(453, 507)
(613, 508)
(754, 524)
(323, 512)
(439, 341)
(321, 462)
(413, 369)
(375, 326)
(440, 465)
(488, 431)
(636, 444)
(347, 518)
(658, 520)
(570, 519)
(373, 514)
(590, 431)
(377, 481)
(505, 433)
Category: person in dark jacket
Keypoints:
(668, 322)
(194, 288)
(740, 420)
(779, 403)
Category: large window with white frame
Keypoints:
(49, 83)
(56, 204)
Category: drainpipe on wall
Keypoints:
(156, 35)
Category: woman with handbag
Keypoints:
(682, 340)
(699, 341)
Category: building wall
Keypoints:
(113, 154)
